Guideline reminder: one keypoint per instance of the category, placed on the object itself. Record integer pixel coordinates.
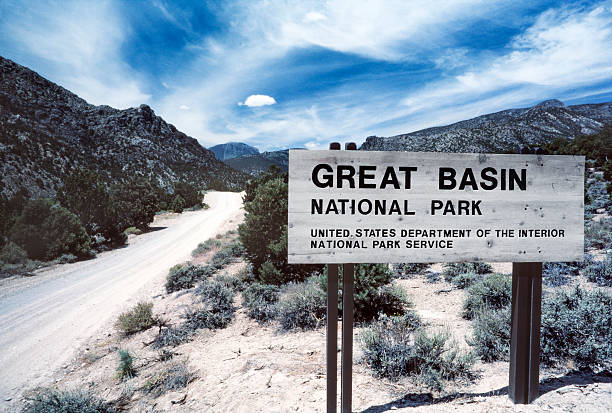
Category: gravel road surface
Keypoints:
(45, 318)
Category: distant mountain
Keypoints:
(256, 164)
(230, 150)
(46, 132)
(502, 131)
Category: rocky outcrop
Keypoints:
(225, 151)
(47, 131)
(502, 131)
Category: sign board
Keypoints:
(382, 207)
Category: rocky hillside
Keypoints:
(47, 131)
(225, 151)
(256, 164)
(502, 131)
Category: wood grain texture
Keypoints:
(553, 199)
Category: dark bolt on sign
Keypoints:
(380, 207)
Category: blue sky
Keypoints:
(278, 74)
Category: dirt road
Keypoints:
(44, 319)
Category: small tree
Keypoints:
(136, 203)
(178, 204)
(47, 230)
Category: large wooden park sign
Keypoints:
(349, 207)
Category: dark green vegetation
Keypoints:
(452, 270)
(260, 301)
(301, 305)
(400, 346)
(407, 270)
(256, 164)
(493, 291)
(125, 369)
(600, 272)
(55, 401)
(139, 318)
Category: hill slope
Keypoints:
(502, 131)
(229, 150)
(256, 164)
(47, 131)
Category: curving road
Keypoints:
(44, 319)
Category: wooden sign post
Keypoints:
(381, 207)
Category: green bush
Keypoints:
(493, 291)
(178, 204)
(406, 270)
(183, 276)
(227, 255)
(12, 253)
(555, 274)
(598, 234)
(264, 230)
(125, 370)
(139, 318)
(600, 272)
(135, 202)
(206, 246)
(55, 401)
(173, 377)
(172, 336)
(399, 346)
(301, 305)
(190, 194)
(218, 307)
(260, 301)
(465, 279)
(46, 230)
(451, 270)
(233, 282)
(491, 335)
(577, 326)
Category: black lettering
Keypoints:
(346, 173)
(447, 174)
(363, 176)
(316, 206)
(328, 179)
(488, 174)
(390, 178)
(468, 179)
(435, 205)
(520, 182)
(407, 174)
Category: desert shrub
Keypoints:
(389, 299)
(301, 305)
(260, 301)
(55, 401)
(139, 318)
(433, 277)
(491, 336)
(173, 377)
(228, 254)
(206, 246)
(465, 279)
(399, 346)
(555, 274)
(598, 234)
(451, 270)
(191, 195)
(600, 272)
(178, 204)
(125, 369)
(66, 259)
(217, 310)
(577, 327)
(183, 276)
(172, 336)
(12, 253)
(246, 275)
(406, 270)
(493, 291)
(269, 274)
(46, 230)
(233, 282)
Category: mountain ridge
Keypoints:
(47, 132)
(229, 150)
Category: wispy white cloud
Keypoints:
(254, 101)
(80, 43)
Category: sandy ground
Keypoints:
(45, 318)
(248, 367)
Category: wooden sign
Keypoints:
(381, 207)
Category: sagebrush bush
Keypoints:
(183, 276)
(555, 274)
(139, 318)
(174, 376)
(172, 336)
(577, 327)
(217, 309)
(491, 336)
(226, 255)
(452, 270)
(206, 246)
(600, 272)
(125, 369)
(399, 346)
(493, 291)
(233, 282)
(301, 305)
(465, 279)
(76, 401)
(598, 234)
(406, 270)
(260, 301)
